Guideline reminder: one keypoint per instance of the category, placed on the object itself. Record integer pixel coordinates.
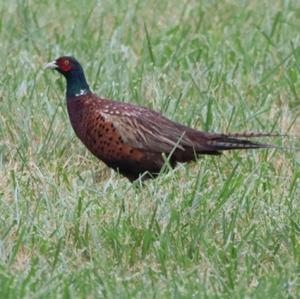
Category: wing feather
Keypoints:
(155, 133)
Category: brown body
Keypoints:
(95, 127)
(133, 139)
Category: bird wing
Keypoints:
(145, 129)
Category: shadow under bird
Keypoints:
(132, 139)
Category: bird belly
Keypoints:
(121, 157)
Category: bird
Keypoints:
(134, 140)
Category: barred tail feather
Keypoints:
(226, 142)
(254, 135)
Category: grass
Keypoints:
(224, 227)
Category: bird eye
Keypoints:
(66, 62)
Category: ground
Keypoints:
(222, 227)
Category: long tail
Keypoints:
(227, 142)
(255, 134)
(214, 144)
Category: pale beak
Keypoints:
(51, 65)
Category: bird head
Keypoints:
(64, 65)
(71, 69)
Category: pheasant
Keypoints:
(134, 140)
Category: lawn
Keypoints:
(222, 227)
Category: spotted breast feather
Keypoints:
(97, 124)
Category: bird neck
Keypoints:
(76, 84)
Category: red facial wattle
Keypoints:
(64, 65)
